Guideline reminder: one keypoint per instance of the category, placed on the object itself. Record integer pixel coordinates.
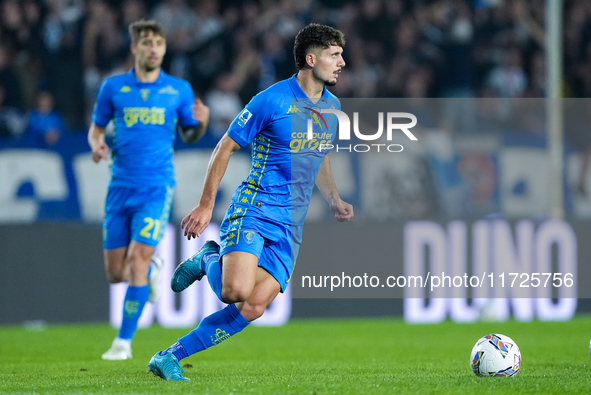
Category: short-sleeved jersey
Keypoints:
(145, 117)
(285, 162)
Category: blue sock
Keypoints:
(213, 270)
(212, 330)
(135, 299)
(178, 350)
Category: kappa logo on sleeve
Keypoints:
(243, 117)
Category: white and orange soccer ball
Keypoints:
(495, 355)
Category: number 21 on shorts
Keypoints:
(152, 229)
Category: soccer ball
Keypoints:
(495, 355)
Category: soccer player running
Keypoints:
(146, 104)
(261, 232)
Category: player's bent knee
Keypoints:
(115, 278)
(234, 294)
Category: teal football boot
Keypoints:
(167, 367)
(191, 270)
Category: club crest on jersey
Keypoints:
(248, 236)
(244, 117)
(145, 94)
(315, 115)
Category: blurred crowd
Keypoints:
(54, 54)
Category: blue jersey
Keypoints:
(145, 117)
(285, 162)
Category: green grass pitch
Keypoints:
(376, 356)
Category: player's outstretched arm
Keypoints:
(197, 220)
(342, 210)
(192, 134)
(96, 140)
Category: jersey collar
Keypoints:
(132, 76)
(301, 96)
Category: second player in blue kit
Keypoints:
(147, 106)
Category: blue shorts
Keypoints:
(138, 214)
(275, 244)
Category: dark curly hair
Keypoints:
(315, 36)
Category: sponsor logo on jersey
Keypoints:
(144, 115)
(302, 141)
(299, 141)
